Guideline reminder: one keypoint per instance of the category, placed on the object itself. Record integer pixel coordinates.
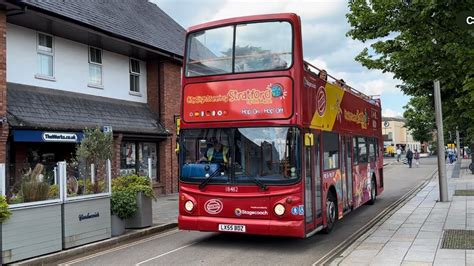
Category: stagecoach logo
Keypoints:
(213, 206)
(239, 212)
(321, 101)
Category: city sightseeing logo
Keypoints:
(249, 96)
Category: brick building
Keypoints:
(69, 65)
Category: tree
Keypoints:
(420, 120)
(95, 148)
(420, 41)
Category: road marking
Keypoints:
(164, 254)
(119, 248)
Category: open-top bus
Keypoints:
(268, 143)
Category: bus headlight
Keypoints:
(189, 205)
(279, 209)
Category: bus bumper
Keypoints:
(252, 226)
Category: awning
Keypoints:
(32, 107)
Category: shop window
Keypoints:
(331, 150)
(45, 55)
(134, 75)
(95, 66)
(134, 159)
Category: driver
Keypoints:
(218, 153)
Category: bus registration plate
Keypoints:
(232, 228)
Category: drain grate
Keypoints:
(458, 239)
(464, 192)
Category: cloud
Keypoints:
(324, 28)
(390, 113)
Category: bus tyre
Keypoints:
(331, 212)
(373, 192)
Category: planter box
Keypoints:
(31, 231)
(86, 220)
(118, 226)
(144, 216)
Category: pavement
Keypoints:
(417, 232)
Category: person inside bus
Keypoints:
(277, 62)
(217, 153)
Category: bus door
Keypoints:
(308, 182)
(347, 170)
(312, 183)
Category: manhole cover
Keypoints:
(458, 239)
(464, 192)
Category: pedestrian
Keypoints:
(417, 158)
(399, 153)
(409, 157)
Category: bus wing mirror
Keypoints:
(308, 139)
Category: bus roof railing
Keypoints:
(342, 83)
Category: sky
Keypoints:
(325, 43)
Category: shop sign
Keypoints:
(47, 136)
(59, 137)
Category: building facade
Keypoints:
(397, 135)
(70, 65)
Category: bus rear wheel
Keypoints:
(373, 192)
(331, 212)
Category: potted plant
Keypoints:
(123, 205)
(4, 214)
(140, 186)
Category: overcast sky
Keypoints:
(324, 35)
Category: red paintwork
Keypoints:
(303, 101)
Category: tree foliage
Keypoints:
(420, 120)
(96, 147)
(420, 41)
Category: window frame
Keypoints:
(134, 74)
(91, 83)
(47, 53)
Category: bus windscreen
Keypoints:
(269, 155)
(214, 51)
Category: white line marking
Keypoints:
(119, 248)
(164, 254)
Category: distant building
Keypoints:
(396, 134)
(67, 65)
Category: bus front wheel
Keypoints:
(331, 212)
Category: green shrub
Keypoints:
(4, 211)
(53, 192)
(134, 184)
(34, 191)
(123, 204)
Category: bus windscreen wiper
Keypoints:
(206, 181)
(258, 182)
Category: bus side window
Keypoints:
(355, 150)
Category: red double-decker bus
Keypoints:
(270, 144)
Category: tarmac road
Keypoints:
(199, 248)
